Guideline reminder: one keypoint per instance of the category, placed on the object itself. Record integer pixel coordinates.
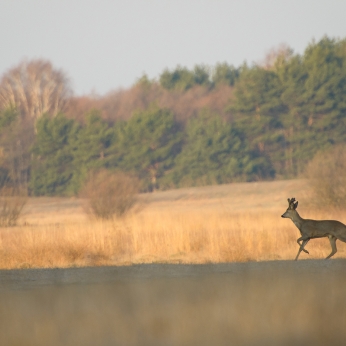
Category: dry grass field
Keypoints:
(225, 223)
(198, 300)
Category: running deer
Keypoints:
(310, 229)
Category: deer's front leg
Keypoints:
(301, 246)
(301, 239)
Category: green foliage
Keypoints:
(297, 108)
(7, 117)
(216, 152)
(225, 74)
(278, 117)
(89, 148)
(182, 79)
(147, 145)
(15, 140)
(257, 108)
(314, 96)
(144, 81)
(13, 170)
(201, 75)
(52, 169)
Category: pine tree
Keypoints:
(314, 89)
(215, 151)
(89, 148)
(257, 108)
(146, 145)
(52, 169)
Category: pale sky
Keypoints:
(106, 45)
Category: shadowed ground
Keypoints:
(267, 303)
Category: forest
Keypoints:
(208, 125)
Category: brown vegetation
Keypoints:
(109, 194)
(120, 105)
(229, 223)
(35, 88)
(327, 176)
(12, 202)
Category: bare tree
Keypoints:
(34, 88)
(277, 56)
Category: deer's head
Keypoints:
(291, 210)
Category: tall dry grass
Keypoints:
(156, 235)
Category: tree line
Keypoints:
(188, 127)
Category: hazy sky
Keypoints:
(105, 45)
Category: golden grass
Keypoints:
(158, 236)
(276, 303)
(201, 225)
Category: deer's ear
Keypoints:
(295, 205)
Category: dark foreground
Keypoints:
(268, 303)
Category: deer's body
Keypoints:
(310, 229)
(319, 229)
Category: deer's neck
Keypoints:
(297, 220)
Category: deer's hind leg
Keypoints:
(301, 247)
(332, 241)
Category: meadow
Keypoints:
(158, 276)
(213, 224)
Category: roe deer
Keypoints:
(310, 229)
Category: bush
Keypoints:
(110, 194)
(327, 177)
(12, 202)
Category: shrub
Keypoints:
(12, 202)
(110, 194)
(327, 176)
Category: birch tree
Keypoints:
(35, 87)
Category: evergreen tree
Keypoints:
(201, 75)
(257, 108)
(183, 79)
(225, 74)
(52, 169)
(89, 148)
(146, 145)
(16, 138)
(280, 115)
(180, 79)
(314, 89)
(216, 152)
(8, 118)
